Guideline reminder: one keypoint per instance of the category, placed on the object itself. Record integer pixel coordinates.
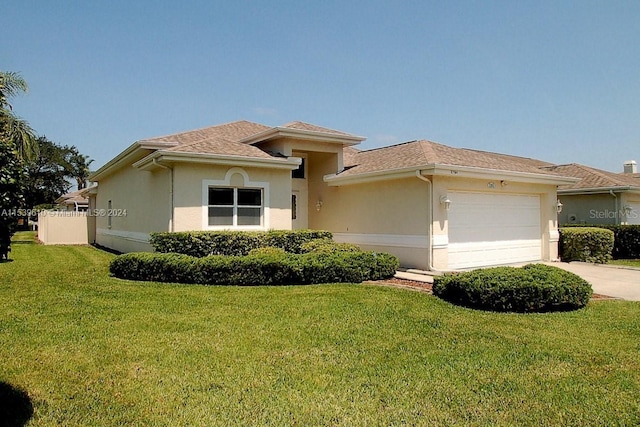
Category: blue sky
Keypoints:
(554, 80)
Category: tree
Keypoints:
(11, 186)
(46, 174)
(13, 129)
(11, 84)
(78, 167)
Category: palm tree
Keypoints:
(14, 130)
(11, 84)
(78, 167)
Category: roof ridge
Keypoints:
(221, 138)
(198, 130)
(427, 149)
(314, 127)
(508, 155)
(389, 146)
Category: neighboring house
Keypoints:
(434, 206)
(74, 201)
(600, 197)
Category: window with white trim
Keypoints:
(235, 207)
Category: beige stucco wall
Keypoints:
(189, 198)
(142, 201)
(389, 216)
(63, 228)
(140, 204)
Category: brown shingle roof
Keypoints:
(73, 196)
(592, 177)
(220, 139)
(225, 139)
(423, 153)
(313, 128)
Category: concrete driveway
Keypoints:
(614, 281)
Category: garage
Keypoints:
(490, 229)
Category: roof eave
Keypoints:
(450, 171)
(517, 176)
(598, 190)
(126, 156)
(280, 132)
(163, 158)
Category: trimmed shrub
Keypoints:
(626, 242)
(532, 288)
(265, 266)
(587, 244)
(328, 246)
(292, 241)
(268, 251)
(232, 243)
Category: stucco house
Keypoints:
(435, 207)
(599, 197)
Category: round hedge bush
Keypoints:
(532, 288)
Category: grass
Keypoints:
(89, 349)
(626, 262)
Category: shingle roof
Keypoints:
(423, 153)
(592, 177)
(225, 139)
(314, 128)
(73, 196)
(220, 139)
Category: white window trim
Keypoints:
(226, 182)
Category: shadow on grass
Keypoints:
(2, 261)
(16, 408)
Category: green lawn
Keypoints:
(626, 262)
(91, 350)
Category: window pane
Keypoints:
(221, 196)
(298, 173)
(249, 197)
(249, 216)
(221, 216)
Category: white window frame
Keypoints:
(236, 206)
(226, 183)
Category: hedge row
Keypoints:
(264, 266)
(587, 244)
(232, 243)
(626, 239)
(532, 288)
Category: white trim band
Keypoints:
(133, 236)
(390, 240)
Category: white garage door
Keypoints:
(490, 229)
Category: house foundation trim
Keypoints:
(391, 240)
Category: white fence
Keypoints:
(63, 228)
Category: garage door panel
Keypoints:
(490, 229)
(476, 254)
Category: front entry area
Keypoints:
(491, 229)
